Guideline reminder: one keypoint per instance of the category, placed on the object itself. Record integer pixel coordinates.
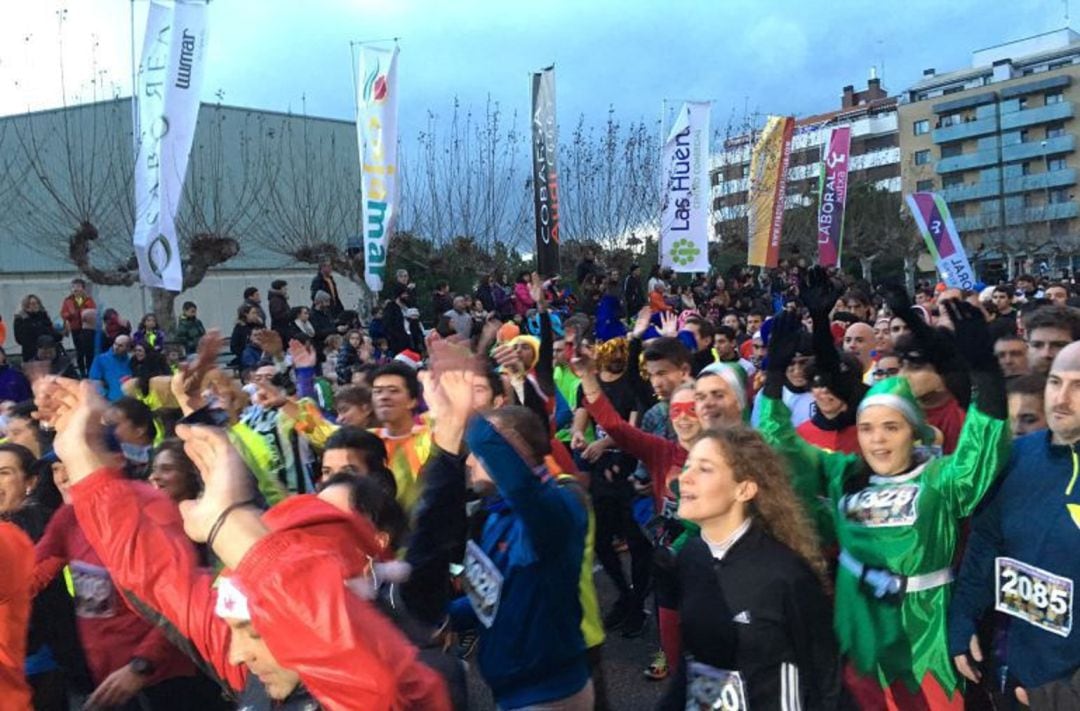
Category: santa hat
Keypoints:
(896, 393)
(410, 358)
(735, 376)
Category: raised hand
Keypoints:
(669, 324)
(187, 382)
(783, 340)
(226, 480)
(820, 292)
(536, 291)
(507, 357)
(302, 354)
(75, 409)
(898, 301)
(973, 339)
(269, 342)
(644, 319)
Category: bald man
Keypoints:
(859, 340)
(1021, 556)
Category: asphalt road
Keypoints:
(624, 661)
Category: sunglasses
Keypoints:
(886, 372)
(682, 409)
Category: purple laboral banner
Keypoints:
(832, 192)
(937, 228)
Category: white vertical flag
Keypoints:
(686, 191)
(167, 96)
(376, 127)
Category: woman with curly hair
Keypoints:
(755, 618)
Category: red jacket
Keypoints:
(71, 311)
(949, 418)
(111, 633)
(17, 563)
(662, 459)
(347, 654)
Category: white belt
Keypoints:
(893, 583)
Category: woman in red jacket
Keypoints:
(283, 626)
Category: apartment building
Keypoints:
(998, 141)
(875, 155)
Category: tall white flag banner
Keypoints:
(685, 210)
(376, 126)
(167, 96)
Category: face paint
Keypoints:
(682, 409)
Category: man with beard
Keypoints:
(1021, 557)
(395, 325)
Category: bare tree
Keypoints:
(468, 177)
(310, 207)
(610, 182)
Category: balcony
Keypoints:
(980, 221)
(1031, 117)
(1041, 181)
(975, 191)
(967, 161)
(971, 129)
(1045, 213)
(1038, 149)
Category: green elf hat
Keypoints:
(735, 376)
(895, 392)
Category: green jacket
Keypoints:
(188, 332)
(907, 524)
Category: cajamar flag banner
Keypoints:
(167, 100)
(686, 207)
(832, 196)
(768, 187)
(545, 176)
(376, 127)
(937, 228)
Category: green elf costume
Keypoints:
(898, 533)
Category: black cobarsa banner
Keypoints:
(545, 176)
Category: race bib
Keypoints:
(882, 506)
(482, 582)
(1033, 595)
(95, 595)
(709, 688)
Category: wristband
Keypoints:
(221, 519)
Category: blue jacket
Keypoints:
(531, 649)
(1027, 517)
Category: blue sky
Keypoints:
(772, 56)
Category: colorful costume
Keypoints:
(897, 536)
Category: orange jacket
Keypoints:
(17, 564)
(348, 655)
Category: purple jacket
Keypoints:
(13, 384)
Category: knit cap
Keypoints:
(895, 393)
(735, 376)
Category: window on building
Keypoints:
(952, 181)
(1055, 163)
(951, 150)
(924, 186)
(921, 127)
(1054, 130)
(1029, 200)
(746, 170)
(1058, 195)
(951, 120)
(954, 89)
(1024, 136)
(958, 209)
(1025, 168)
(1054, 97)
(1059, 64)
(1059, 228)
(1022, 102)
(922, 157)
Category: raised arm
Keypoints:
(984, 441)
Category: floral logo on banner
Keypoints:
(375, 85)
(684, 252)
